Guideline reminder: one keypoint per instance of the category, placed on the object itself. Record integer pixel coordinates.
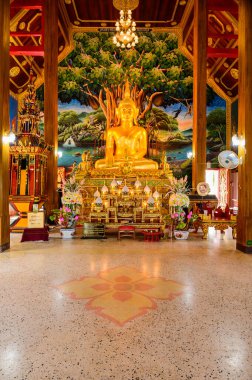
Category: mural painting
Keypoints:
(91, 84)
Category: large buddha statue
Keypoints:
(126, 143)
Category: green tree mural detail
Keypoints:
(95, 73)
(216, 127)
(82, 128)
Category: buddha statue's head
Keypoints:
(127, 110)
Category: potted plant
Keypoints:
(67, 215)
(181, 223)
(66, 218)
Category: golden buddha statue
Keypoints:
(126, 143)
(85, 164)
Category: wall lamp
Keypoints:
(9, 138)
(238, 140)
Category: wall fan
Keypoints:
(228, 159)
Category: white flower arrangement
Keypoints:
(177, 192)
(72, 198)
(177, 185)
(179, 200)
(71, 191)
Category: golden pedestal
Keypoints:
(118, 208)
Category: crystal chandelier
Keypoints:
(125, 36)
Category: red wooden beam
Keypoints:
(27, 50)
(26, 34)
(214, 5)
(27, 4)
(222, 52)
(226, 36)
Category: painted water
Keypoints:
(70, 155)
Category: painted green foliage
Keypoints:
(216, 126)
(85, 127)
(95, 71)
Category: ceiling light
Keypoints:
(125, 36)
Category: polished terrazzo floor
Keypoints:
(125, 310)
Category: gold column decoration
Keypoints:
(51, 97)
(228, 124)
(244, 221)
(199, 92)
(4, 124)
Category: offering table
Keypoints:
(218, 224)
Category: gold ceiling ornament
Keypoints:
(229, 93)
(14, 71)
(125, 36)
(126, 4)
(234, 73)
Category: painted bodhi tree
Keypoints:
(95, 73)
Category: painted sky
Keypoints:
(184, 119)
(74, 105)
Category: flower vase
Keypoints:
(67, 233)
(181, 235)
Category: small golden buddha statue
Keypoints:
(85, 164)
(126, 143)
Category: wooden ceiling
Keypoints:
(176, 16)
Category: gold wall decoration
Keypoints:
(229, 28)
(234, 73)
(14, 71)
(209, 41)
(22, 25)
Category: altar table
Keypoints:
(218, 224)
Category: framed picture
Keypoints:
(203, 189)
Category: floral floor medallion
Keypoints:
(121, 294)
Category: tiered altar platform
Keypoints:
(119, 197)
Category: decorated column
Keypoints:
(199, 92)
(4, 124)
(51, 98)
(244, 223)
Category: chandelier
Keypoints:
(125, 36)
